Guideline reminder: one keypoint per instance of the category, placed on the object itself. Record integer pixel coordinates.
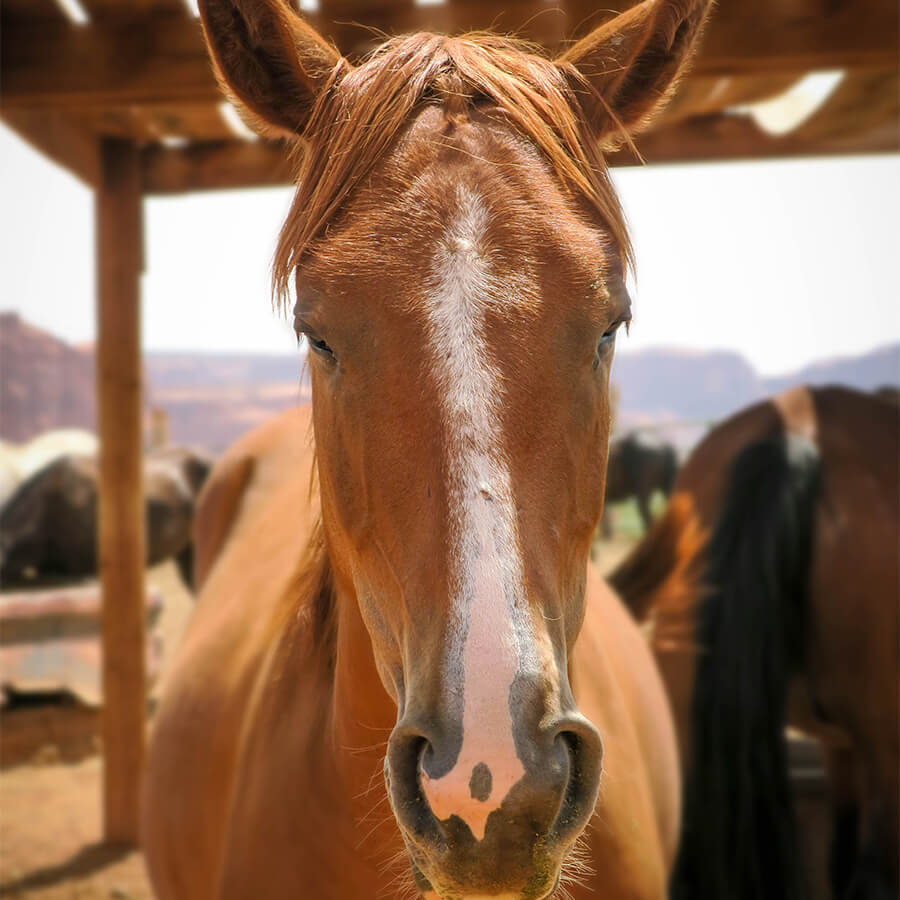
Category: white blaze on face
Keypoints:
(485, 563)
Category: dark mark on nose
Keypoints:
(480, 783)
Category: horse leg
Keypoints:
(643, 502)
(876, 875)
(606, 526)
(840, 766)
(185, 562)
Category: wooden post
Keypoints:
(121, 533)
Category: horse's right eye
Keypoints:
(320, 346)
(316, 344)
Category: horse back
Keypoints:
(854, 655)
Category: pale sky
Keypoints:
(785, 262)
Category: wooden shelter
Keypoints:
(121, 94)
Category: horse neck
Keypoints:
(362, 715)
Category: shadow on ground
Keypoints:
(86, 861)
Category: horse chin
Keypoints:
(433, 887)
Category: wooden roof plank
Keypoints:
(162, 59)
(702, 96)
(33, 11)
(215, 165)
(238, 164)
(100, 10)
(730, 137)
(767, 36)
(159, 61)
(862, 101)
(118, 122)
(194, 121)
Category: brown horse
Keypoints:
(772, 584)
(411, 665)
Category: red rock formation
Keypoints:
(45, 383)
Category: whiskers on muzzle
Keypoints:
(471, 831)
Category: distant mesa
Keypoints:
(212, 398)
(45, 383)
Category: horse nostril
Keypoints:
(403, 778)
(585, 753)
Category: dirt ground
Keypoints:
(50, 826)
(50, 815)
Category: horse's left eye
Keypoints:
(608, 338)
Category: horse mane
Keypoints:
(662, 577)
(314, 621)
(362, 111)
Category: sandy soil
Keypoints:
(50, 815)
(50, 826)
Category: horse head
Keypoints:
(459, 260)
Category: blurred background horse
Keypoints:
(772, 587)
(48, 525)
(640, 465)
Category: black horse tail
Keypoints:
(739, 840)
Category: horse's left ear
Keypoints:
(626, 70)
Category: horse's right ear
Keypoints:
(268, 60)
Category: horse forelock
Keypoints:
(362, 111)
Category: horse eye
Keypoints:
(607, 339)
(302, 329)
(320, 346)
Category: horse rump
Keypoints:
(738, 841)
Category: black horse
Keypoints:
(639, 464)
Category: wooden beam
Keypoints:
(162, 60)
(214, 165)
(121, 529)
(702, 96)
(766, 37)
(156, 61)
(58, 138)
(221, 165)
(863, 100)
(727, 138)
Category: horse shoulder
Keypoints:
(619, 688)
(289, 830)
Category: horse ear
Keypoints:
(268, 60)
(625, 71)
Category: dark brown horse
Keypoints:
(772, 585)
(639, 466)
(412, 664)
(48, 527)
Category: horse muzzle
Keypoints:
(500, 827)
